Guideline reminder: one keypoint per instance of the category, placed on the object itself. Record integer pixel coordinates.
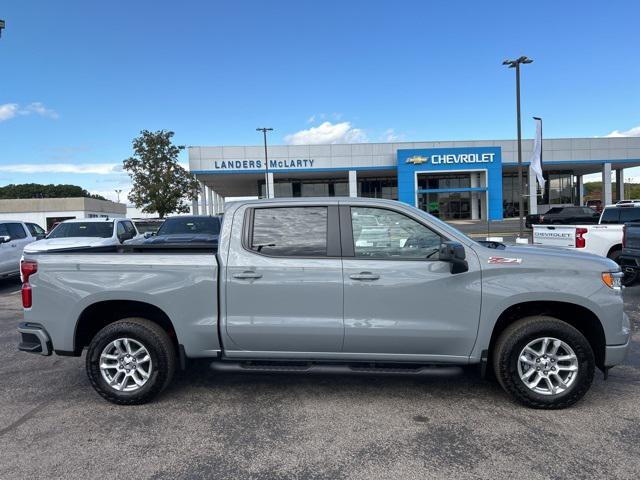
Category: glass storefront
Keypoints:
(333, 187)
(510, 195)
(383, 187)
(559, 188)
(446, 205)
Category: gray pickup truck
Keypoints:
(302, 285)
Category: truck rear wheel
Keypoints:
(543, 362)
(130, 361)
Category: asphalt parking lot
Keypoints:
(230, 426)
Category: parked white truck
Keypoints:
(604, 238)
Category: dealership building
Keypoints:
(453, 180)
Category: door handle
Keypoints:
(364, 276)
(246, 275)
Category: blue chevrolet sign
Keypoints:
(412, 162)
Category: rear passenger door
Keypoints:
(284, 290)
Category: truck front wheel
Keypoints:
(130, 361)
(543, 362)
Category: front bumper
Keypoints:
(34, 339)
(616, 354)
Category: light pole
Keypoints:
(266, 160)
(118, 192)
(516, 64)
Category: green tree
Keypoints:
(37, 190)
(160, 184)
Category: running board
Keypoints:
(341, 369)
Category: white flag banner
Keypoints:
(536, 157)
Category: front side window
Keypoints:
(380, 233)
(35, 229)
(83, 229)
(290, 232)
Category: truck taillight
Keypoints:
(27, 268)
(580, 240)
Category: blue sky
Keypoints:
(80, 79)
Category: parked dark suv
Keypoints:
(563, 215)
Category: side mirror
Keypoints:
(149, 234)
(5, 239)
(453, 252)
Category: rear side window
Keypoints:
(610, 215)
(290, 232)
(629, 215)
(16, 231)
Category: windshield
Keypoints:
(83, 229)
(178, 226)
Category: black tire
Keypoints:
(513, 340)
(160, 348)
(630, 274)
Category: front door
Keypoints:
(399, 299)
(12, 251)
(284, 285)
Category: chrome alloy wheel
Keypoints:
(547, 366)
(125, 364)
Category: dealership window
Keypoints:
(510, 201)
(439, 181)
(290, 232)
(385, 234)
(333, 187)
(378, 187)
(559, 189)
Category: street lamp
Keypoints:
(516, 64)
(118, 192)
(266, 161)
(1, 27)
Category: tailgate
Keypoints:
(555, 235)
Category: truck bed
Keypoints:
(181, 282)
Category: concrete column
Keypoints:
(353, 183)
(194, 206)
(580, 185)
(619, 184)
(533, 191)
(220, 204)
(270, 183)
(210, 194)
(203, 199)
(475, 183)
(606, 184)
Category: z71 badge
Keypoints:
(501, 260)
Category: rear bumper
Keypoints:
(34, 339)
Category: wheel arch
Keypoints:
(614, 248)
(578, 316)
(100, 314)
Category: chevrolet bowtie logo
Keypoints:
(417, 159)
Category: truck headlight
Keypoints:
(613, 279)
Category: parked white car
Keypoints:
(14, 236)
(85, 233)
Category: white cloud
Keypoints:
(83, 168)
(10, 110)
(327, 132)
(390, 135)
(632, 132)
